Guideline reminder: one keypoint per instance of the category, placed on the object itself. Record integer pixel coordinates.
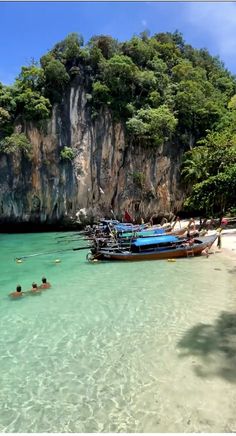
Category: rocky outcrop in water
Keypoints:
(107, 173)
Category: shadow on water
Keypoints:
(215, 347)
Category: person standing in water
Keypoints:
(219, 238)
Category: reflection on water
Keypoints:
(147, 347)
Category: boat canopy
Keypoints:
(128, 227)
(143, 233)
(155, 240)
(159, 231)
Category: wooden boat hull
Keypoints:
(157, 254)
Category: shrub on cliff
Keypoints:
(16, 142)
(67, 154)
(138, 179)
(32, 106)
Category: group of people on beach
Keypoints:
(35, 289)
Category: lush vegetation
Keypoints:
(210, 167)
(16, 141)
(162, 89)
(138, 179)
(67, 154)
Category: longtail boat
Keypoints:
(163, 247)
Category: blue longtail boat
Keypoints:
(153, 248)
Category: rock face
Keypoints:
(107, 173)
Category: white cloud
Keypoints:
(218, 20)
(144, 23)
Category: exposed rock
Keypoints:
(49, 190)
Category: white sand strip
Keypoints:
(228, 239)
(228, 242)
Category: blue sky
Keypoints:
(29, 29)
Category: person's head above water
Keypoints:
(18, 288)
(34, 285)
(44, 280)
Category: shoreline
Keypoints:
(228, 242)
(228, 235)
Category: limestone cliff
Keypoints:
(106, 173)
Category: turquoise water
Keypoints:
(116, 347)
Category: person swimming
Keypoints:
(17, 293)
(35, 288)
(45, 284)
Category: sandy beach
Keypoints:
(228, 242)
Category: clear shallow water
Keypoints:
(116, 347)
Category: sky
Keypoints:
(29, 29)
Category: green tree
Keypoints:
(154, 99)
(119, 72)
(139, 50)
(232, 103)
(7, 98)
(194, 167)
(31, 77)
(46, 59)
(146, 81)
(4, 116)
(221, 151)
(68, 50)
(107, 45)
(56, 75)
(211, 169)
(32, 105)
(152, 126)
(214, 195)
(100, 93)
